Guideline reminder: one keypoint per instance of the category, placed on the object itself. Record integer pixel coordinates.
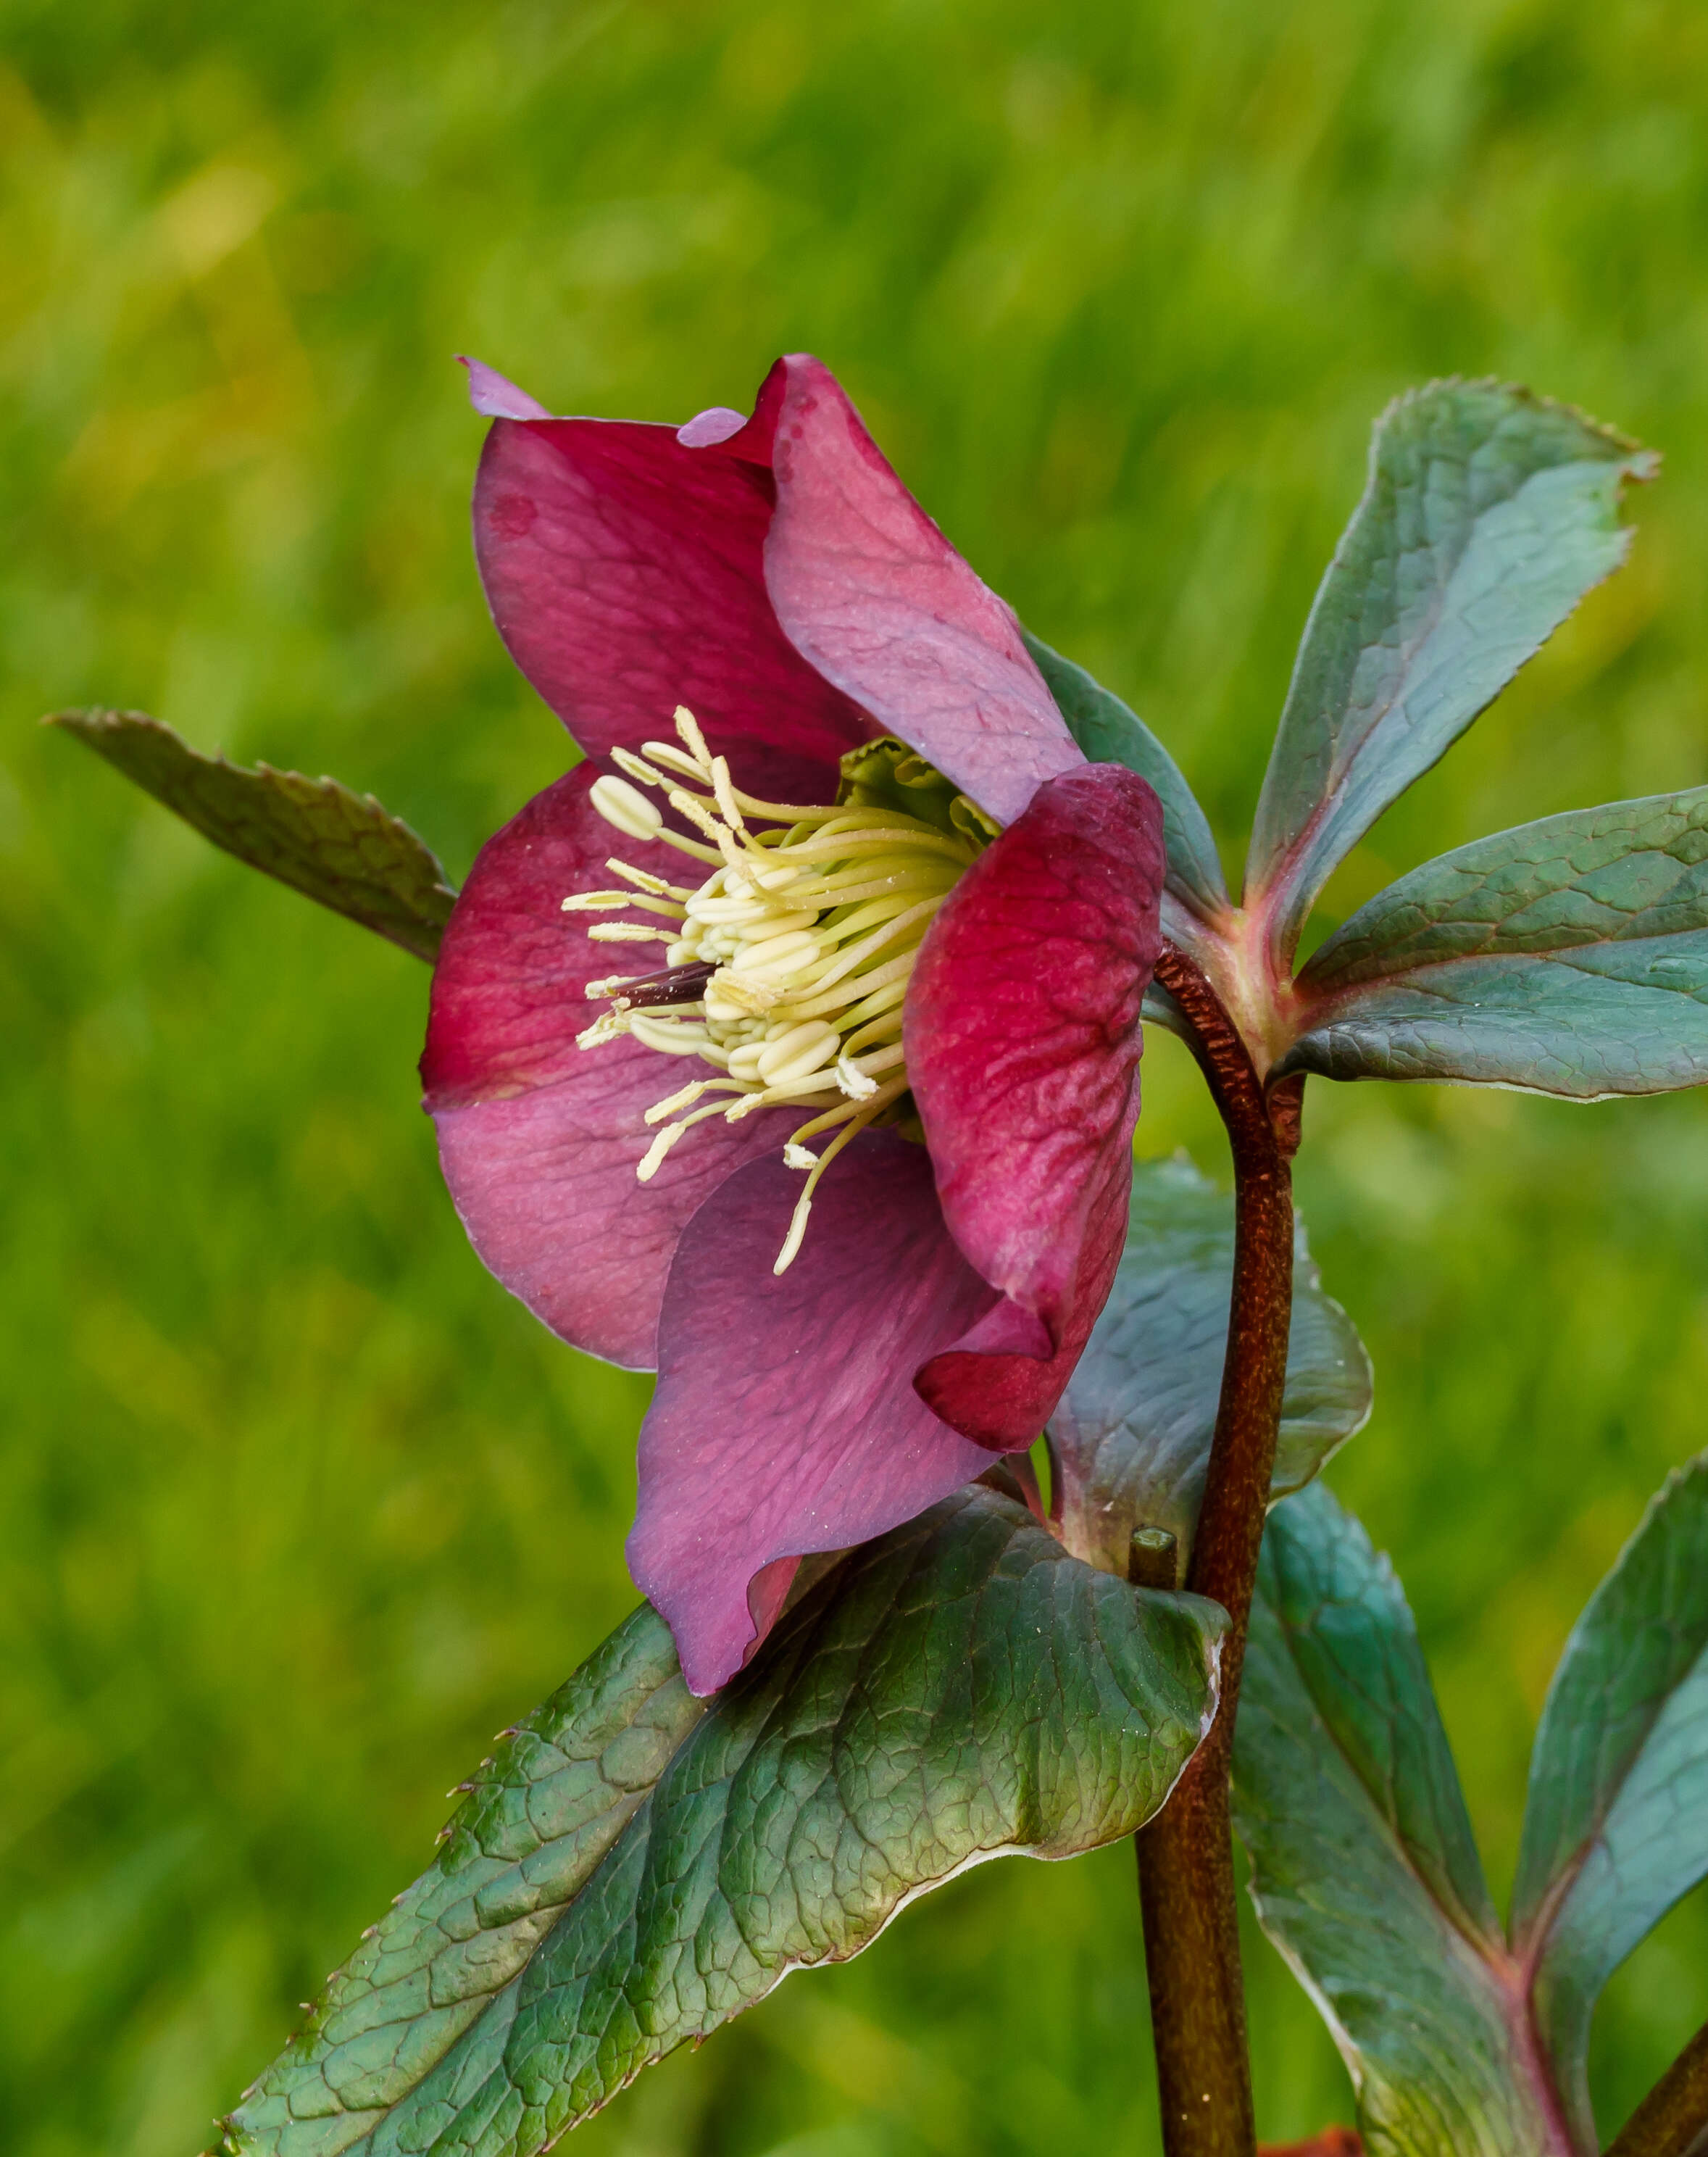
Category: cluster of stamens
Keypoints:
(787, 967)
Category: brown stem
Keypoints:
(1186, 1854)
(1673, 2119)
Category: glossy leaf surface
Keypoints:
(1109, 732)
(1488, 514)
(1131, 1439)
(1616, 1824)
(333, 846)
(1569, 956)
(637, 1866)
(1364, 1872)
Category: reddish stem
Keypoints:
(1673, 2119)
(1186, 1854)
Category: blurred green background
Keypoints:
(298, 1506)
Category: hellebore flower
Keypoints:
(834, 870)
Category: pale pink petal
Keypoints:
(490, 394)
(539, 1139)
(1022, 1037)
(716, 423)
(868, 590)
(785, 1420)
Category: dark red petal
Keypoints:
(869, 590)
(625, 569)
(539, 1139)
(784, 1421)
(1022, 1040)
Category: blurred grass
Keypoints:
(298, 1507)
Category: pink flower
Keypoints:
(957, 955)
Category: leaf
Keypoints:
(338, 847)
(1488, 514)
(1332, 2141)
(1364, 1872)
(1569, 956)
(1616, 1824)
(637, 1866)
(1109, 733)
(1130, 1441)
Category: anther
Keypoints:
(685, 1099)
(688, 727)
(626, 807)
(637, 767)
(644, 881)
(653, 1159)
(694, 810)
(803, 1050)
(673, 759)
(725, 792)
(608, 1026)
(853, 1081)
(665, 1034)
(792, 1241)
(774, 953)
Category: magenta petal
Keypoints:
(1022, 1037)
(784, 1421)
(539, 1139)
(869, 590)
(625, 569)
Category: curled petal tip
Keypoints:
(490, 393)
(717, 423)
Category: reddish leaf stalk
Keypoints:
(1186, 1854)
(1673, 2119)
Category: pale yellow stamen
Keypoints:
(726, 795)
(629, 809)
(663, 1033)
(803, 1208)
(688, 727)
(802, 1050)
(735, 996)
(629, 932)
(608, 1026)
(643, 881)
(603, 901)
(685, 1099)
(671, 758)
(853, 1081)
(637, 767)
(809, 919)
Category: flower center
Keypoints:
(787, 968)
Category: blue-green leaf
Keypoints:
(1569, 956)
(1110, 733)
(1487, 515)
(339, 848)
(1130, 1441)
(1364, 1872)
(635, 1867)
(1616, 1826)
